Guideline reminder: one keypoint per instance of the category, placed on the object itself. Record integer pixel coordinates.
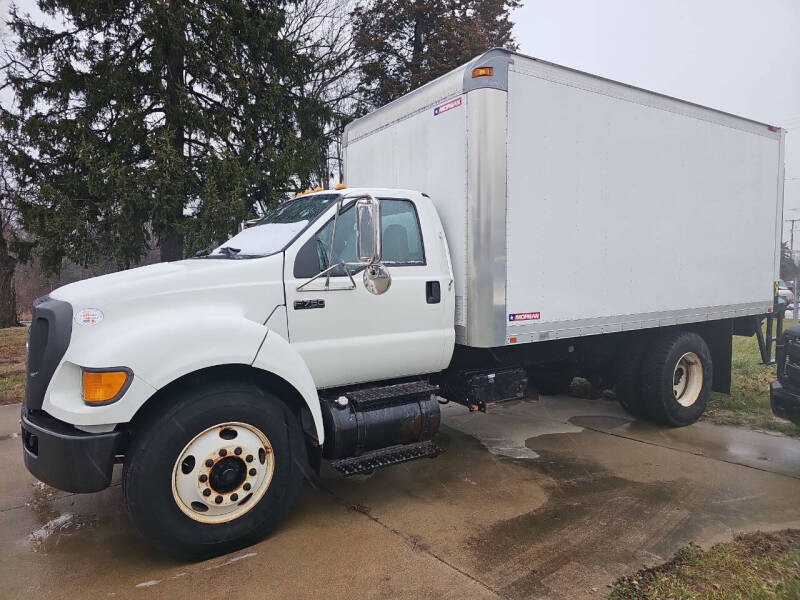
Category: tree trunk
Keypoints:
(171, 240)
(171, 246)
(8, 295)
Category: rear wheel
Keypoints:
(628, 374)
(216, 472)
(676, 379)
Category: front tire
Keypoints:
(676, 378)
(215, 472)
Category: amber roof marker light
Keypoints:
(482, 72)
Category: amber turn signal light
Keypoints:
(102, 386)
(482, 72)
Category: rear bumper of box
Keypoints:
(67, 458)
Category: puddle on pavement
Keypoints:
(603, 422)
(779, 454)
(52, 534)
(597, 525)
(594, 524)
(56, 526)
(41, 502)
(505, 433)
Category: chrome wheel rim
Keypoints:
(223, 472)
(687, 379)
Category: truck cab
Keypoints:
(283, 313)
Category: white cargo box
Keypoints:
(575, 205)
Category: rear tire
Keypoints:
(161, 469)
(628, 373)
(676, 378)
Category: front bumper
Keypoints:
(66, 458)
(785, 403)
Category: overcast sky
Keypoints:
(740, 56)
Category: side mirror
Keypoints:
(368, 230)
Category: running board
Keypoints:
(385, 457)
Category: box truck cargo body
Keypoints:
(575, 205)
(511, 223)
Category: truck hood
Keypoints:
(252, 286)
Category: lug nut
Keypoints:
(252, 471)
(234, 497)
(206, 492)
(218, 499)
(246, 487)
(238, 451)
(223, 452)
(249, 458)
(209, 463)
(203, 478)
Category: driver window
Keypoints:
(402, 241)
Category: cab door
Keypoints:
(351, 335)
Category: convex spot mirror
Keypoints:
(377, 279)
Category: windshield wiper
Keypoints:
(224, 252)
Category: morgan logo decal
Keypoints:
(442, 108)
(528, 316)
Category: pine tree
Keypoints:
(157, 122)
(403, 44)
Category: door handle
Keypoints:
(433, 292)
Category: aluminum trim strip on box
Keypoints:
(538, 332)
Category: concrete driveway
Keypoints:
(537, 499)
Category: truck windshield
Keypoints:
(276, 229)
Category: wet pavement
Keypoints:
(537, 499)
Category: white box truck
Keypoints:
(511, 222)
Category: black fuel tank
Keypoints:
(379, 417)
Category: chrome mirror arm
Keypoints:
(327, 274)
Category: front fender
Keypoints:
(158, 351)
(277, 356)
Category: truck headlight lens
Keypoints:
(100, 386)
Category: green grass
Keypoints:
(748, 403)
(12, 364)
(752, 567)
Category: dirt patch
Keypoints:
(754, 565)
(12, 364)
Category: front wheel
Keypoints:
(676, 378)
(214, 473)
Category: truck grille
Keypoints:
(48, 338)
